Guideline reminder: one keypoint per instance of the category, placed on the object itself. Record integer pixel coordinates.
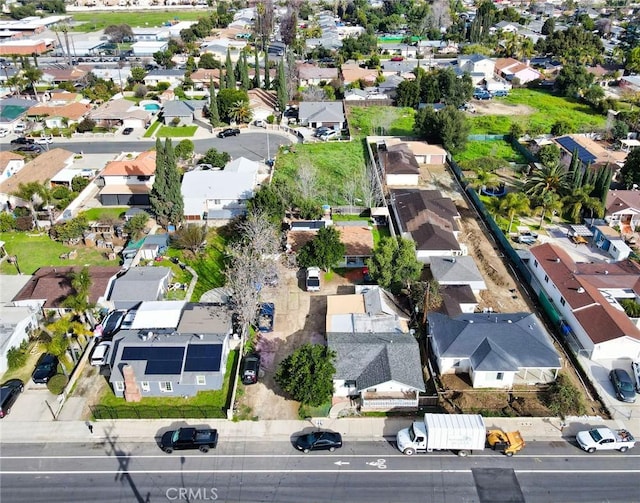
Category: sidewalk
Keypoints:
(358, 429)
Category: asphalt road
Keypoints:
(275, 472)
(253, 146)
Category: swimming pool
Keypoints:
(152, 107)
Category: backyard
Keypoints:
(499, 149)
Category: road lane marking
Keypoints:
(340, 463)
(380, 463)
(315, 456)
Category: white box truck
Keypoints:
(463, 433)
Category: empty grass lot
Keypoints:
(499, 149)
(96, 20)
(176, 132)
(549, 108)
(365, 121)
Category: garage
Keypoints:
(119, 195)
(133, 123)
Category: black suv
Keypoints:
(22, 141)
(250, 368)
(228, 132)
(623, 385)
(9, 392)
(46, 368)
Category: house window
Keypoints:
(119, 385)
(457, 363)
(145, 386)
(372, 390)
(535, 263)
(201, 380)
(499, 376)
(142, 178)
(216, 202)
(166, 386)
(562, 301)
(546, 278)
(349, 384)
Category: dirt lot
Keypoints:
(495, 107)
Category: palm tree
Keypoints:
(548, 201)
(33, 75)
(551, 178)
(240, 111)
(81, 284)
(484, 178)
(579, 200)
(514, 203)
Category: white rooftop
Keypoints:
(158, 314)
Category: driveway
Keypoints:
(31, 405)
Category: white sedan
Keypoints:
(43, 140)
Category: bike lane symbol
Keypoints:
(380, 464)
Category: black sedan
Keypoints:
(319, 441)
(9, 392)
(623, 385)
(46, 368)
(22, 141)
(127, 131)
(34, 149)
(228, 132)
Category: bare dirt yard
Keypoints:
(495, 107)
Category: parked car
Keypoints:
(111, 324)
(482, 95)
(43, 140)
(397, 58)
(228, 132)
(29, 148)
(22, 141)
(266, 316)
(313, 279)
(9, 392)
(100, 355)
(20, 127)
(46, 368)
(329, 135)
(321, 130)
(260, 123)
(501, 93)
(127, 131)
(189, 438)
(319, 440)
(250, 368)
(623, 385)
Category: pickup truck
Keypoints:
(605, 439)
(189, 438)
(266, 317)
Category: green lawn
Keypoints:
(152, 129)
(363, 121)
(96, 214)
(176, 132)
(209, 264)
(99, 20)
(379, 233)
(35, 251)
(335, 163)
(549, 109)
(499, 149)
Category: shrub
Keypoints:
(24, 223)
(271, 119)
(79, 183)
(60, 193)
(7, 222)
(85, 126)
(564, 399)
(175, 121)
(57, 383)
(16, 358)
(140, 91)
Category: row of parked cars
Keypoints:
(483, 94)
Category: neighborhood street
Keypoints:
(364, 471)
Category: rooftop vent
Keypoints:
(580, 290)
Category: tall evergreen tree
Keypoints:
(228, 67)
(244, 73)
(175, 209)
(157, 196)
(603, 183)
(283, 95)
(256, 76)
(267, 77)
(214, 115)
(575, 171)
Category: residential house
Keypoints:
(608, 239)
(356, 236)
(13, 110)
(437, 47)
(10, 163)
(18, 322)
(59, 115)
(479, 67)
(48, 288)
(457, 271)
(511, 69)
(128, 180)
(390, 84)
(41, 169)
(148, 48)
(263, 103)
(399, 165)
(202, 77)
(590, 152)
(622, 209)
(367, 94)
(138, 284)
(169, 76)
(56, 75)
(322, 113)
(505, 27)
(121, 112)
(586, 298)
(377, 359)
(219, 195)
(630, 83)
(458, 299)
(352, 72)
(220, 46)
(180, 113)
(430, 220)
(496, 350)
(313, 75)
(155, 34)
(119, 75)
(182, 359)
(424, 152)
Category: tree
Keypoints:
(620, 130)
(269, 200)
(190, 237)
(78, 301)
(564, 399)
(85, 125)
(632, 60)
(140, 91)
(230, 78)
(184, 149)
(630, 172)
(215, 158)
(307, 374)
(256, 67)
(212, 108)
(573, 79)
(32, 75)
(549, 26)
(514, 203)
(166, 198)
(283, 96)
(289, 26)
(551, 178)
(138, 74)
(136, 226)
(241, 112)
(449, 127)
(561, 128)
(227, 98)
(208, 61)
(325, 250)
(267, 76)
(163, 59)
(549, 155)
(119, 33)
(394, 264)
(579, 200)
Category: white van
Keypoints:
(20, 127)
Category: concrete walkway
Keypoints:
(353, 429)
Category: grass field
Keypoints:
(96, 214)
(99, 20)
(176, 132)
(334, 162)
(365, 121)
(35, 251)
(549, 109)
(499, 149)
(209, 265)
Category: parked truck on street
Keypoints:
(461, 433)
(189, 438)
(601, 439)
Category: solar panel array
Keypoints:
(571, 145)
(203, 357)
(160, 360)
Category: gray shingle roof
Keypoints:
(321, 111)
(139, 284)
(458, 270)
(500, 342)
(373, 359)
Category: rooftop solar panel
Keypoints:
(203, 357)
(570, 145)
(160, 360)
